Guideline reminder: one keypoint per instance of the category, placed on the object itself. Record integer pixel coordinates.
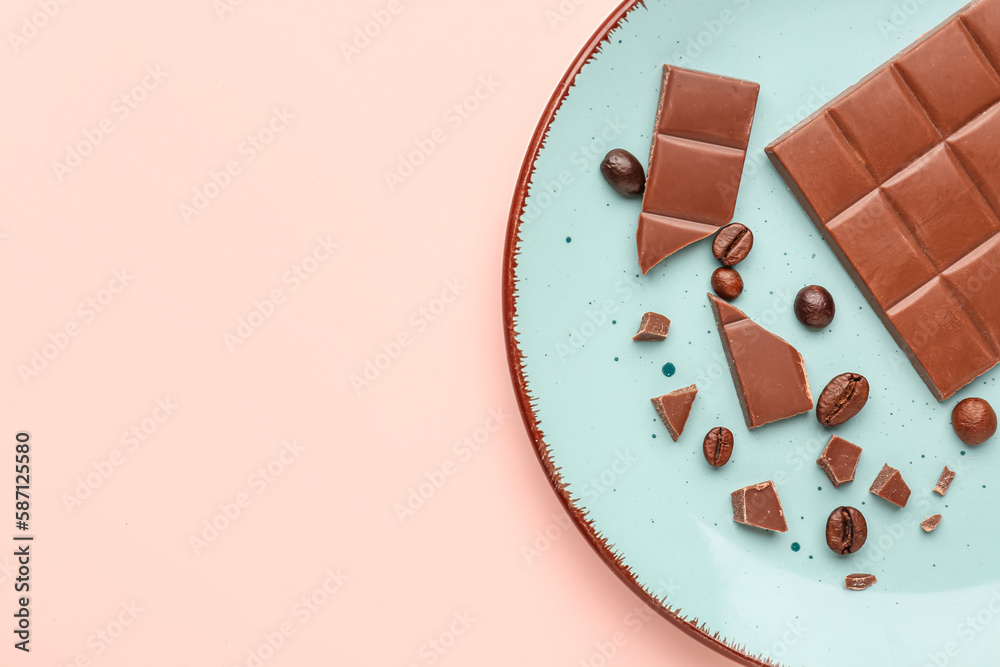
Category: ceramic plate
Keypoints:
(653, 508)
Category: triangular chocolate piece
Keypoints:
(890, 485)
(674, 409)
(759, 506)
(660, 236)
(769, 374)
(654, 327)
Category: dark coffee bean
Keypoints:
(727, 283)
(974, 421)
(846, 530)
(624, 173)
(843, 398)
(732, 244)
(814, 307)
(718, 446)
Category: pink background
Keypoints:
(154, 411)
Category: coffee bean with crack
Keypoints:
(843, 398)
(718, 446)
(846, 530)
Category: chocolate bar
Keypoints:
(696, 159)
(901, 175)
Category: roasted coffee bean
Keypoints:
(974, 421)
(718, 446)
(624, 173)
(732, 244)
(843, 398)
(814, 307)
(846, 530)
(727, 283)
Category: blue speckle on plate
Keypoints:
(669, 369)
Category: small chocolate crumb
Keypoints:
(930, 523)
(653, 327)
(859, 581)
(945, 481)
(890, 485)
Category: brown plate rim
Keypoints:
(607, 553)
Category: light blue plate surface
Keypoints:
(579, 297)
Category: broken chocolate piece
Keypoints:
(674, 409)
(944, 482)
(696, 160)
(768, 373)
(900, 175)
(859, 581)
(759, 506)
(890, 485)
(930, 523)
(653, 327)
(839, 460)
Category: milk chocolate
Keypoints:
(839, 460)
(931, 523)
(768, 373)
(890, 485)
(901, 175)
(759, 506)
(653, 327)
(696, 160)
(674, 409)
(944, 482)
(859, 581)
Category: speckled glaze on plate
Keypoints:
(657, 513)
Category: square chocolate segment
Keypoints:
(880, 249)
(942, 207)
(886, 124)
(808, 158)
(950, 76)
(977, 147)
(695, 192)
(983, 22)
(941, 337)
(901, 174)
(709, 108)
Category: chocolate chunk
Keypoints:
(732, 244)
(945, 481)
(624, 173)
(674, 409)
(890, 485)
(931, 523)
(768, 373)
(846, 530)
(974, 421)
(814, 307)
(727, 283)
(843, 397)
(695, 162)
(901, 177)
(759, 506)
(718, 446)
(859, 581)
(839, 460)
(653, 327)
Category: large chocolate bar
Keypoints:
(695, 162)
(901, 174)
